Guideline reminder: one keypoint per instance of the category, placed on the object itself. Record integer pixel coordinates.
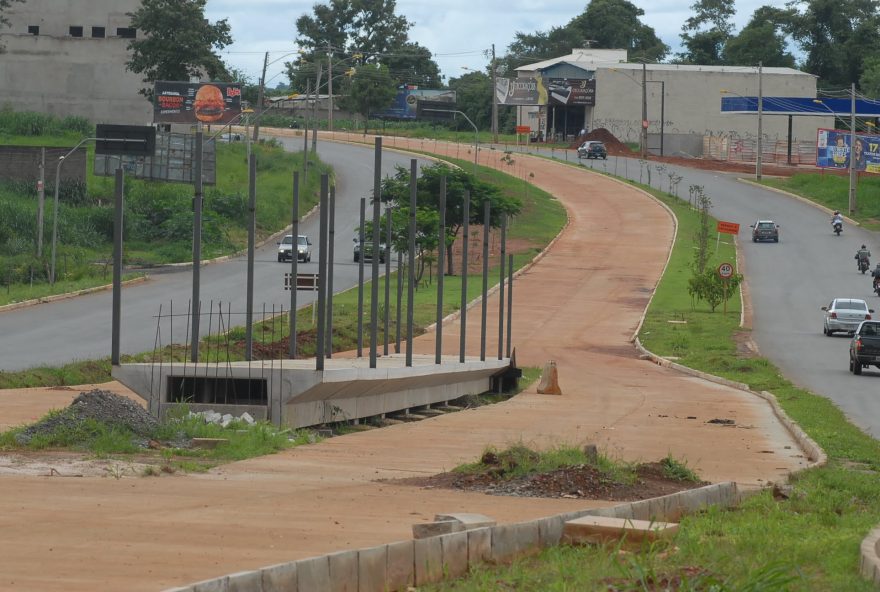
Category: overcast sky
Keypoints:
(457, 32)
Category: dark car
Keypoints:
(765, 230)
(864, 349)
(592, 149)
(368, 251)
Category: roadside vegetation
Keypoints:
(158, 216)
(832, 190)
(804, 539)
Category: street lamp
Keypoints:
(759, 147)
(55, 210)
(472, 125)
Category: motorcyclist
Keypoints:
(836, 218)
(876, 275)
(863, 254)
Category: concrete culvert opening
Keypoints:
(218, 390)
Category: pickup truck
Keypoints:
(864, 349)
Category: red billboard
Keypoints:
(193, 102)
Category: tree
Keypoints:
(761, 40)
(4, 22)
(836, 36)
(705, 34)
(396, 190)
(178, 42)
(473, 95)
(869, 81)
(370, 90)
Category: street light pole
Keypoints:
(760, 156)
(852, 146)
(644, 136)
(55, 210)
(494, 100)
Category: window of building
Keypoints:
(33, 30)
(76, 31)
(126, 32)
(98, 32)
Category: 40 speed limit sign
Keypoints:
(725, 271)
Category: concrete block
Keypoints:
(372, 567)
(245, 581)
(182, 589)
(313, 574)
(424, 530)
(428, 560)
(479, 546)
(215, 585)
(280, 578)
(400, 569)
(528, 536)
(469, 520)
(455, 554)
(510, 540)
(344, 571)
(550, 530)
(600, 529)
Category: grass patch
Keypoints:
(832, 191)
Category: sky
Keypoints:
(457, 32)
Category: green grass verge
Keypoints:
(832, 191)
(807, 542)
(13, 293)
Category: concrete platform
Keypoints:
(294, 394)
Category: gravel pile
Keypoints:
(103, 406)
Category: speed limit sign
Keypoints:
(725, 271)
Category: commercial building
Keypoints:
(682, 103)
(67, 57)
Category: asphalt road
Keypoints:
(56, 333)
(789, 281)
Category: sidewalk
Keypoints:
(579, 306)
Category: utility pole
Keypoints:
(41, 201)
(494, 99)
(315, 109)
(329, 87)
(759, 158)
(852, 146)
(644, 136)
(260, 98)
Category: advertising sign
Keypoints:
(193, 102)
(571, 91)
(833, 150)
(520, 91)
(406, 102)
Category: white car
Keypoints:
(844, 315)
(303, 248)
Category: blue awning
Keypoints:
(800, 106)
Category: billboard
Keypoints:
(833, 150)
(578, 92)
(406, 102)
(172, 161)
(194, 102)
(520, 91)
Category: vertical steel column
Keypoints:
(411, 263)
(331, 241)
(441, 261)
(294, 265)
(509, 301)
(252, 234)
(466, 219)
(117, 268)
(374, 287)
(322, 272)
(486, 213)
(360, 347)
(399, 310)
(197, 248)
(387, 279)
(501, 278)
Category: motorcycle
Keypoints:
(838, 227)
(864, 265)
(877, 285)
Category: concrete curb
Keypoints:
(869, 561)
(404, 564)
(800, 198)
(66, 295)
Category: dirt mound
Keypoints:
(103, 406)
(614, 146)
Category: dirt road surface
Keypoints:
(578, 305)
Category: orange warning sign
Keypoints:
(728, 227)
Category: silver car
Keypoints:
(844, 315)
(303, 248)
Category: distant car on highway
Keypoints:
(765, 230)
(368, 251)
(592, 149)
(844, 315)
(303, 248)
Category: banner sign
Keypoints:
(727, 227)
(571, 91)
(520, 91)
(193, 102)
(406, 102)
(833, 150)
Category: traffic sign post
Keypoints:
(725, 272)
(304, 281)
(725, 228)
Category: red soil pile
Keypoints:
(614, 146)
